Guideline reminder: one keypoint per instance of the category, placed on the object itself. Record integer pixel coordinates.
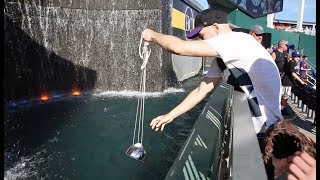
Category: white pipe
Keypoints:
(313, 32)
(270, 18)
(300, 15)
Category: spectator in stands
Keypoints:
(280, 55)
(274, 47)
(280, 58)
(257, 32)
(289, 78)
(239, 60)
(297, 68)
(304, 67)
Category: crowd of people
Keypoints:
(292, 69)
(240, 60)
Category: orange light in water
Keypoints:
(76, 93)
(44, 97)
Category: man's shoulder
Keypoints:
(276, 52)
(236, 34)
(224, 39)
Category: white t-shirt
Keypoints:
(246, 64)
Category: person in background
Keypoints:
(274, 47)
(314, 74)
(297, 67)
(289, 77)
(304, 67)
(239, 60)
(257, 32)
(280, 55)
(280, 58)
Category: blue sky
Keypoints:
(290, 10)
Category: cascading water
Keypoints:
(89, 45)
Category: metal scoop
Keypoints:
(137, 152)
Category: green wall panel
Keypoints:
(308, 44)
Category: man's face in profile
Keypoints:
(258, 37)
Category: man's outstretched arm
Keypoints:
(193, 98)
(196, 48)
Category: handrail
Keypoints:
(311, 65)
(247, 159)
(314, 80)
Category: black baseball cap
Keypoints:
(206, 18)
(295, 54)
(257, 29)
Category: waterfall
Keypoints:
(88, 45)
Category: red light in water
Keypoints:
(76, 93)
(44, 97)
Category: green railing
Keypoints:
(222, 143)
(203, 155)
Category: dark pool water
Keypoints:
(86, 137)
